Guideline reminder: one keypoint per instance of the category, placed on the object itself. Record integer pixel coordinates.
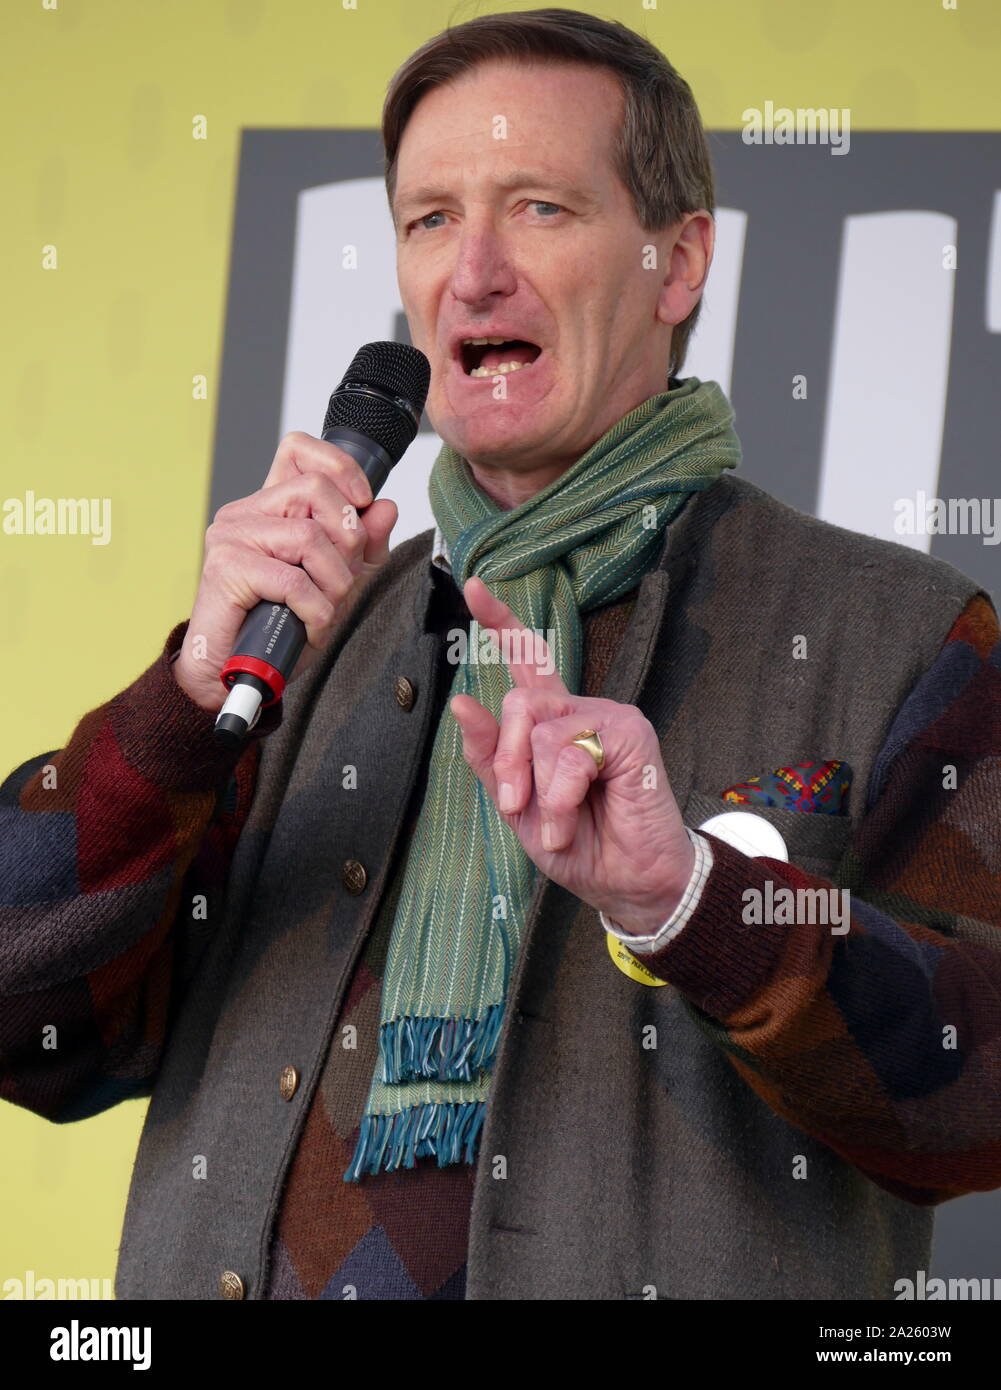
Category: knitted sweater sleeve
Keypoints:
(881, 1037)
(114, 852)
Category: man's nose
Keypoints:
(482, 265)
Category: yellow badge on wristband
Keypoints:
(629, 964)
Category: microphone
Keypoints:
(373, 415)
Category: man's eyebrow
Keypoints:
(518, 178)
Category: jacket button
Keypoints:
(354, 876)
(231, 1285)
(404, 692)
(288, 1082)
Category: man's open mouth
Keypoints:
(497, 356)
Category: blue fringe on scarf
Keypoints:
(446, 1049)
(439, 1128)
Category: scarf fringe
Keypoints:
(442, 1049)
(439, 1128)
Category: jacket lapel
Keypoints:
(552, 909)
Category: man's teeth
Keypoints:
(502, 367)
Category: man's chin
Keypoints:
(490, 444)
(497, 432)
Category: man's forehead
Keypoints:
(440, 141)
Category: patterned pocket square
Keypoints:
(818, 787)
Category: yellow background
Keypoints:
(97, 100)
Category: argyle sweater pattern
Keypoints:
(142, 798)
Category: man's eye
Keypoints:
(421, 220)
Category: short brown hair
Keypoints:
(661, 152)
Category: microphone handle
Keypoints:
(272, 637)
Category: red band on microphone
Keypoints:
(252, 666)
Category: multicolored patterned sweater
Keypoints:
(398, 1235)
(141, 810)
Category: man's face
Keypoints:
(528, 233)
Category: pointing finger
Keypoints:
(529, 658)
(479, 738)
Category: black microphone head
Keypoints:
(382, 395)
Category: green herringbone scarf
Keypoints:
(584, 540)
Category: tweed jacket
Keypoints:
(640, 1142)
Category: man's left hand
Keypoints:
(613, 837)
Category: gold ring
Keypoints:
(587, 738)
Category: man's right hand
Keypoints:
(298, 541)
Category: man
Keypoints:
(440, 989)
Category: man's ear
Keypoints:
(689, 253)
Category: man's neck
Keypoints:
(510, 489)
